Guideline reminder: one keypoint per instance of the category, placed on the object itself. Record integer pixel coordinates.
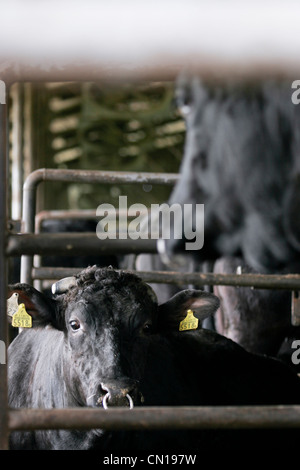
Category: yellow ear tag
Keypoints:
(21, 319)
(189, 323)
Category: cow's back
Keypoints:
(32, 357)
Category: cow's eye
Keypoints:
(147, 328)
(75, 324)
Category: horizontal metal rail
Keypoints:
(80, 214)
(74, 244)
(257, 281)
(62, 215)
(98, 176)
(204, 417)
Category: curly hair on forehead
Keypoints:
(95, 279)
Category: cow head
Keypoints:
(108, 318)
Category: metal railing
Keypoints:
(18, 244)
(189, 417)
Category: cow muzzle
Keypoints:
(118, 394)
(113, 393)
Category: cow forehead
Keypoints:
(112, 305)
(116, 295)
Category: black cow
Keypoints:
(106, 342)
(257, 319)
(242, 161)
(254, 318)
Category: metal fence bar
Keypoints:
(257, 281)
(204, 417)
(3, 280)
(79, 214)
(63, 214)
(74, 244)
(98, 176)
(77, 176)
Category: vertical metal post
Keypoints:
(28, 166)
(3, 278)
(16, 156)
(29, 206)
(295, 316)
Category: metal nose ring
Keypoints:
(106, 397)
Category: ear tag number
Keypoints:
(21, 319)
(189, 323)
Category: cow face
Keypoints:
(107, 319)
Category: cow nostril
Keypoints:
(118, 393)
(119, 387)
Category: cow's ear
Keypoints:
(171, 313)
(41, 308)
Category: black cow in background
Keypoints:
(254, 318)
(242, 161)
